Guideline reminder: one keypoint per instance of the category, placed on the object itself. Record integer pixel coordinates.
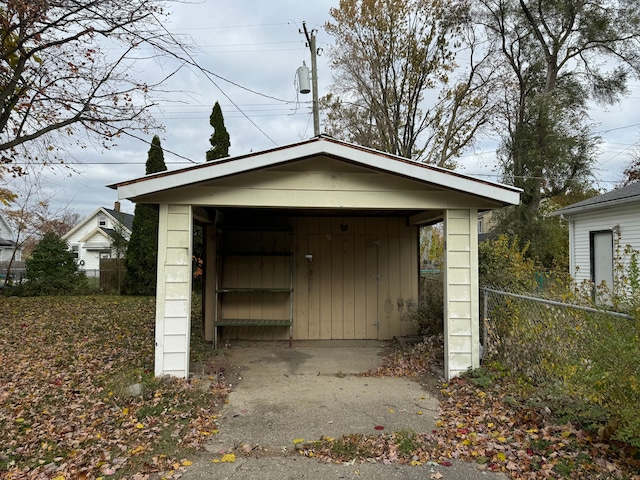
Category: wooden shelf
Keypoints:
(255, 254)
(275, 245)
(254, 290)
(252, 322)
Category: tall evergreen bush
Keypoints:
(142, 252)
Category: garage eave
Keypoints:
(316, 147)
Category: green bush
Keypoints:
(52, 269)
(503, 263)
(429, 313)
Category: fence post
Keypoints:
(485, 312)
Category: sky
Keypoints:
(258, 46)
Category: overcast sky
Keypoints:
(257, 45)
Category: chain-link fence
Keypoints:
(539, 338)
(589, 357)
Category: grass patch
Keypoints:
(65, 404)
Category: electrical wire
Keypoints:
(207, 75)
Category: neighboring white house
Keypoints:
(93, 238)
(595, 227)
(7, 244)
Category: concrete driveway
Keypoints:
(309, 391)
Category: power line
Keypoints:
(207, 73)
(163, 149)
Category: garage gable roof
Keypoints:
(315, 147)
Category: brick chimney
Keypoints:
(116, 206)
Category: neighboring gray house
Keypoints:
(93, 238)
(595, 225)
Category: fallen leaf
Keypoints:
(228, 458)
(379, 427)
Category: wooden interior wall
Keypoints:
(263, 271)
(360, 282)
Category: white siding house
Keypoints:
(596, 226)
(93, 238)
(7, 242)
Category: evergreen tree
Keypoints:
(219, 140)
(142, 252)
(52, 269)
(155, 159)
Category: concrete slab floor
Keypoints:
(310, 390)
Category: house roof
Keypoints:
(620, 196)
(126, 219)
(317, 147)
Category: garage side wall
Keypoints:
(173, 301)
(461, 315)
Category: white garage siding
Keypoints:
(173, 301)
(461, 315)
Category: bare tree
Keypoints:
(552, 59)
(68, 66)
(30, 217)
(389, 55)
(632, 172)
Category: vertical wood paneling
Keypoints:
(360, 285)
(372, 318)
(408, 277)
(359, 226)
(210, 272)
(357, 286)
(324, 259)
(349, 281)
(395, 279)
(385, 302)
(313, 285)
(337, 286)
(301, 318)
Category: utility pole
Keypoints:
(311, 42)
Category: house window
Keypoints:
(480, 225)
(105, 254)
(102, 221)
(75, 250)
(601, 259)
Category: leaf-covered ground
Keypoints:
(66, 364)
(485, 419)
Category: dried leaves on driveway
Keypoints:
(78, 398)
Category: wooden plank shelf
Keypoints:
(256, 254)
(270, 263)
(254, 290)
(252, 322)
